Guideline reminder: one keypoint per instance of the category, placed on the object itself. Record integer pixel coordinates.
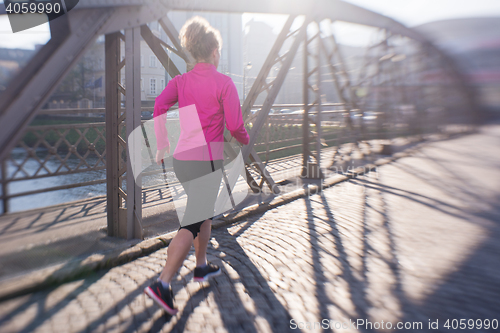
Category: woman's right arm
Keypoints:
(232, 112)
(163, 102)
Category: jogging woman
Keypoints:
(206, 100)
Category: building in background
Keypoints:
(84, 85)
(258, 40)
(153, 75)
(11, 61)
(474, 43)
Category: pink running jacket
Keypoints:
(206, 97)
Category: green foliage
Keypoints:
(53, 137)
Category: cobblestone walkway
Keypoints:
(414, 241)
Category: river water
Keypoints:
(61, 196)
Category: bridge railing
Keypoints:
(70, 144)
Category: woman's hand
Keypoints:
(160, 154)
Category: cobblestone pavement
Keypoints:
(414, 241)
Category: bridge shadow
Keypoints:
(470, 290)
(39, 301)
(357, 282)
(33, 220)
(27, 261)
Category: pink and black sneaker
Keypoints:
(202, 274)
(163, 297)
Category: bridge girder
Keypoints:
(317, 9)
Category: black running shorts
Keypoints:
(200, 199)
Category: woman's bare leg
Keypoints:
(201, 242)
(176, 253)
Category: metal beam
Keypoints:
(312, 169)
(336, 53)
(280, 78)
(133, 120)
(317, 93)
(250, 100)
(305, 118)
(320, 9)
(5, 186)
(335, 57)
(333, 9)
(116, 225)
(252, 97)
(266, 68)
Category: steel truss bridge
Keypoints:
(403, 79)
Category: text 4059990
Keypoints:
(32, 7)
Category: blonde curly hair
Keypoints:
(200, 38)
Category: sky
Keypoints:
(416, 12)
(408, 12)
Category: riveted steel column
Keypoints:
(312, 169)
(318, 106)
(5, 188)
(116, 226)
(133, 121)
(305, 118)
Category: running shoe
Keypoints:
(202, 274)
(163, 297)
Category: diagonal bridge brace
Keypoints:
(249, 154)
